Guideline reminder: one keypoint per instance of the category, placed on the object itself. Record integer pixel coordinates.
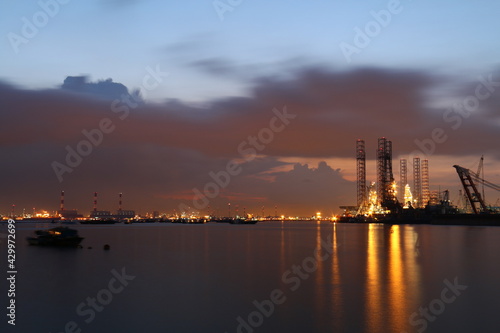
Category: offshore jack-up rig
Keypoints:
(382, 202)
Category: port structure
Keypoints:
(361, 172)
(385, 178)
(417, 182)
(403, 179)
(426, 195)
(468, 179)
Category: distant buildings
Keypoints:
(106, 214)
(70, 214)
(96, 214)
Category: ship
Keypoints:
(58, 236)
(243, 221)
(97, 221)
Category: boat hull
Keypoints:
(65, 242)
(243, 221)
(59, 236)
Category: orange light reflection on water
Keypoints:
(393, 275)
(398, 305)
(374, 308)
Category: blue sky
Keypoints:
(118, 39)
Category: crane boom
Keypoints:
(486, 183)
(480, 167)
(467, 178)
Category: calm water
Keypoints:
(268, 277)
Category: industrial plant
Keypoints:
(95, 214)
(389, 201)
(383, 195)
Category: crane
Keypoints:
(480, 172)
(468, 179)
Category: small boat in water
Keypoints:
(243, 221)
(58, 236)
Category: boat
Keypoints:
(58, 236)
(223, 220)
(243, 221)
(39, 220)
(97, 221)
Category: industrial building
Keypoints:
(105, 214)
(385, 194)
(71, 214)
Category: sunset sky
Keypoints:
(280, 91)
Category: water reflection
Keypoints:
(282, 247)
(398, 305)
(337, 295)
(372, 281)
(320, 274)
(393, 277)
(374, 303)
(323, 286)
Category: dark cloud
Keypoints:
(105, 89)
(320, 188)
(157, 154)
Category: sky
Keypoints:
(191, 105)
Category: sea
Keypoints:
(291, 276)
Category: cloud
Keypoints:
(103, 89)
(214, 66)
(319, 187)
(159, 153)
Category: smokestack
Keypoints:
(120, 202)
(95, 201)
(61, 208)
